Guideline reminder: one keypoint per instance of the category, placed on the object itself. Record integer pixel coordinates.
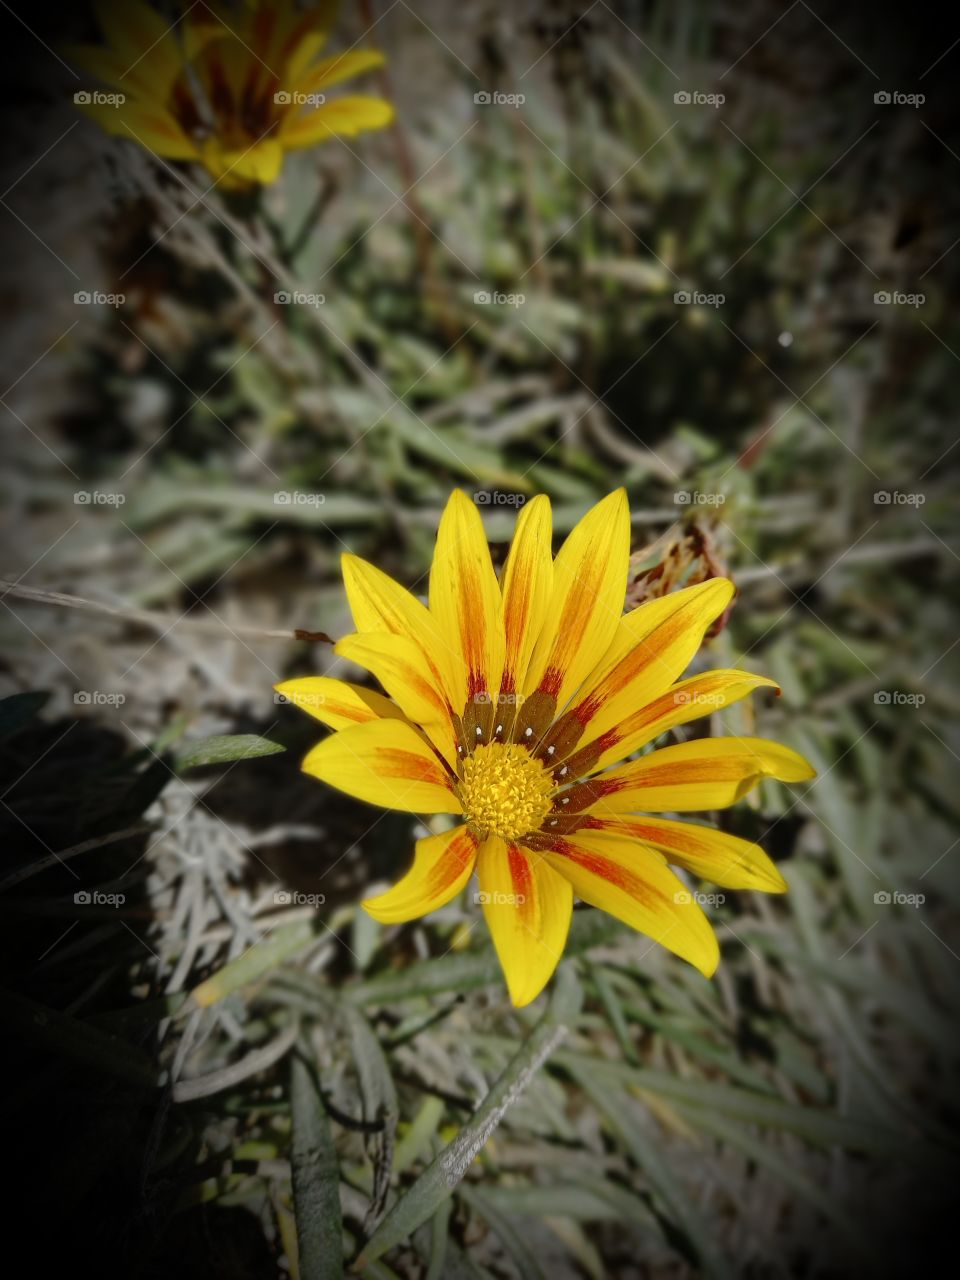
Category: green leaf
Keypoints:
(445, 1172)
(420, 1134)
(259, 960)
(643, 1148)
(316, 1180)
(510, 1237)
(379, 1097)
(457, 973)
(224, 748)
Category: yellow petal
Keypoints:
(527, 587)
(402, 668)
(298, 63)
(527, 906)
(387, 763)
(589, 585)
(141, 40)
(257, 162)
(652, 646)
(380, 604)
(703, 851)
(337, 703)
(707, 773)
(633, 883)
(465, 599)
(442, 865)
(151, 126)
(685, 701)
(343, 117)
(335, 69)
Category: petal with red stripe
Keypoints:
(685, 701)
(707, 773)
(705, 852)
(387, 763)
(586, 604)
(527, 906)
(634, 884)
(465, 600)
(442, 865)
(336, 702)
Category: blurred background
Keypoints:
(705, 251)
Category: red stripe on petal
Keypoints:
(458, 855)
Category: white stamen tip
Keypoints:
(499, 728)
(528, 732)
(479, 732)
(551, 750)
(563, 771)
(565, 800)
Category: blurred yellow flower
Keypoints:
(509, 701)
(234, 87)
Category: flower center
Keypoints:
(504, 790)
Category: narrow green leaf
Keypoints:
(445, 1172)
(224, 748)
(512, 1240)
(418, 1137)
(645, 1152)
(316, 1180)
(475, 969)
(379, 1097)
(260, 959)
(765, 1155)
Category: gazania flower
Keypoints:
(511, 704)
(234, 87)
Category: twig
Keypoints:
(255, 1062)
(33, 868)
(162, 622)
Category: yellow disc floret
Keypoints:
(504, 791)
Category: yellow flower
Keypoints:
(233, 88)
(508, 702)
